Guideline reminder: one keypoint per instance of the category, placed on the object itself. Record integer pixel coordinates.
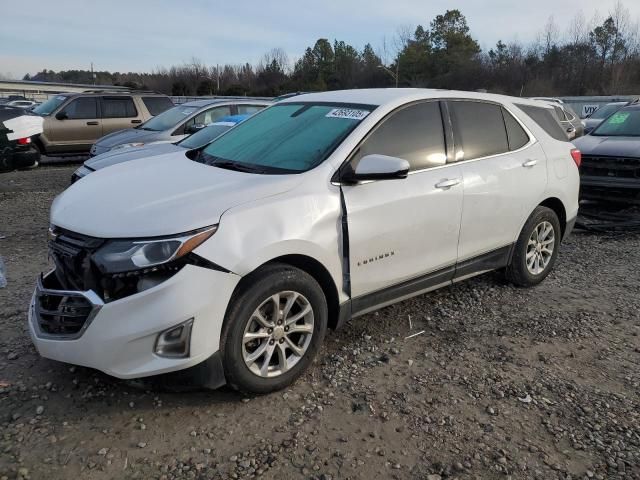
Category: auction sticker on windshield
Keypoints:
(618, 118)
(348, 113)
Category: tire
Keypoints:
(519, 272)
(257, 293)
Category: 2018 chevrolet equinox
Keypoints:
(232, 260)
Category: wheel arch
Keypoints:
(319, 273)
(559, 209)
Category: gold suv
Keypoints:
(74, 121)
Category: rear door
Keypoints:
(403, 234)
(504, 174)
(79, 129)
(118, 113)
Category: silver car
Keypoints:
(177, 123)
(123, 153)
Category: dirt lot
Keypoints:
(503, 383)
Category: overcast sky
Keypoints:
(143, 34)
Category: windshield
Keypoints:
(168, 119)
(606, 110)
(623, 123)
(50, 105)
(285, 138)
(204, 136)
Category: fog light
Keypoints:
(175, 342)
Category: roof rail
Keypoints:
(103, 90)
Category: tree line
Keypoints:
(591, 57)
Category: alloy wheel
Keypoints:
(278, 334)
(540, 248)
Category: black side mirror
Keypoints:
(377, 167)
(195, 127)
(62, 115)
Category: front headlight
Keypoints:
(128, 145)
(118, 256)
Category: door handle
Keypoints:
(136, 121)
(92, 123)
(448, 183)
(529, 163)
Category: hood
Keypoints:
(129, 135)
(120, 155)
(609, 146)
(162, 195)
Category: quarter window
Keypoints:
(480, 129)
(82, 108)
(414, 133)
(545, 120)
(118, 107)
(516, 135)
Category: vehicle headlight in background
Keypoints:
(128, 145)
(118, 256)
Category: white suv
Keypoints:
(234, 259)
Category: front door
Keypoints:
(403, 234)
(79, 128)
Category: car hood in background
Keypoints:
(158, 196)
(609, 146)
(113, 157)
(130, 135)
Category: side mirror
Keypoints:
(195, 127)
(62, 115)
(377, 167)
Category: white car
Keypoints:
(234, 259)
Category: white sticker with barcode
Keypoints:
(348, 113)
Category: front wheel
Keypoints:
(273, 329)
(536, 249)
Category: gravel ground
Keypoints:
(503, 383)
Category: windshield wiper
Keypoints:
(239, 167)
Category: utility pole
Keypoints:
(394, 75)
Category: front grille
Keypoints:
(60, 313)
(616, 167)
(71, 252)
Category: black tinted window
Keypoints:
(118, 107)
(545, 120)
(157, 105)
(81, 108)
(414, 133)
(479, 129)
(516, 135)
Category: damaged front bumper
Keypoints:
(119, 337)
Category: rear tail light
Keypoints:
(577, 156)
(24, 141)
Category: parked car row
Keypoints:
(229, 261)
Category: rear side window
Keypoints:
(414, 133)
(211, 115)
(118, 107)
(480, 129)
(82, 108)
(249, 109)
(157, 105)
(516, 135)
(545, 120)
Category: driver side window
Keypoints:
(414, 133)
(81, 108)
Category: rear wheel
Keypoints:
(273, 329)
(536, 249)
